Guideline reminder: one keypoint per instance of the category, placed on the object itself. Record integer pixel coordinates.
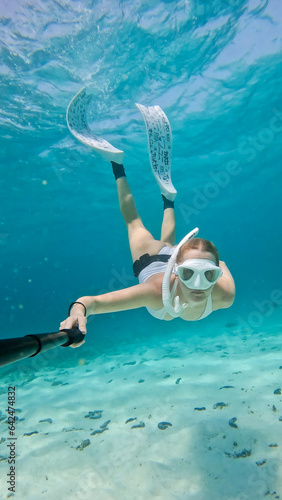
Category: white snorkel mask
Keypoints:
(197, 274)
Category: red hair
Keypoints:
(199, 244)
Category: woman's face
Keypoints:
(196, 295)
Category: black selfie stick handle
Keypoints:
(18, 348)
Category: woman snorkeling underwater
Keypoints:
(187, 281)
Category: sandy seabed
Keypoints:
(228, 451)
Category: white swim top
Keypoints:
(161, 313)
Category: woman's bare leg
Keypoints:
(140, 239)
(168, 226)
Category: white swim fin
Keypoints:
(159, 142)
(78, 126)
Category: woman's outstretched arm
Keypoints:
(142, 295)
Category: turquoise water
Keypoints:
(215, 69)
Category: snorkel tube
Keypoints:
(176, 309)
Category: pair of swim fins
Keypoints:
(158, 133)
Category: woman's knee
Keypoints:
(137, 230)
